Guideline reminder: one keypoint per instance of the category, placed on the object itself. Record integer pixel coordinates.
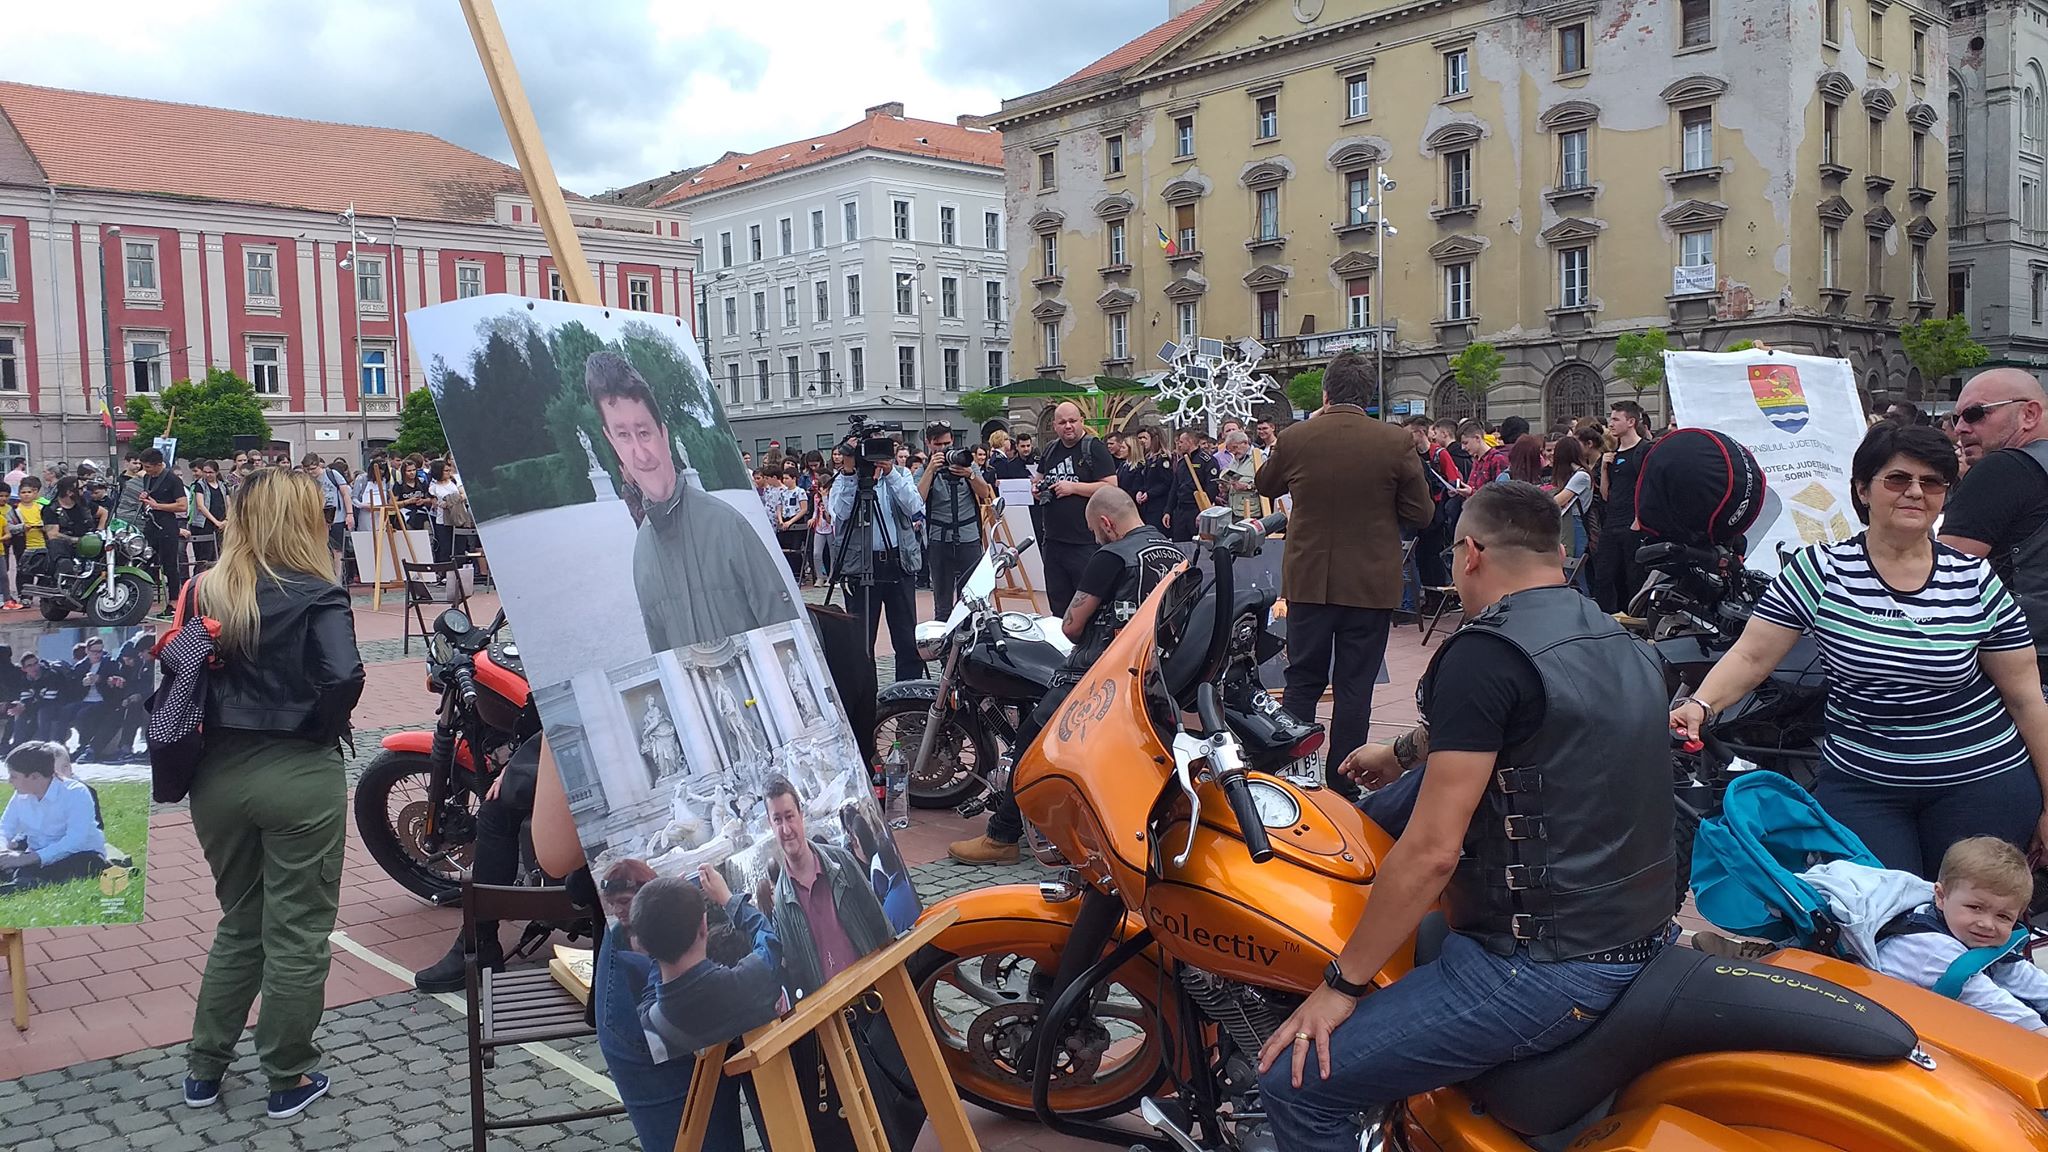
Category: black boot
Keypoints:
(446, 974)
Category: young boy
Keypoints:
(35, 556)
(1983, 892)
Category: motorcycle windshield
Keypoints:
(979, 585)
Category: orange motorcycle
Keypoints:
(1200, 902)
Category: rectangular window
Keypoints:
(1696, 249)
(1695, 23)
(732, 383)
(1120, 336)
(789, 306)
(1571, 49)
(992, 231)
(949, 297)
(10, 366)
(949, 363)
(792, 369)
(1048, 168)
(1358, 302)
(1357, 96)
(469, 281)
(266, 369)
(1919, 159)
(899, 219)
(6, 256)
(856, 369)
(761, 379)
(1876, 33)
(1187, 320)
(754, 243)
(1876, 147)
(555, 291)
(370, 284)
(376, 380)
(1113, 156)
(1184, 228)
(785, 237)
(1049, 255)
(1458, 291)
(145, 364)
(1183, 137)
(1955, 203)
(817, 228)
(1051, 331)
(1269, 316)
(906, 286)
(849, 221)
(2027, 199)
(1830, 133)
(992, 300)
(824, 381)
(853, 295)
(1919, 52)
(140, 258)
(732, 315)
(639, 293)
(1874, 265)
(995, 368)
(725, 249)
(2037, 296)
(1358, 199)
(1831, 21)
(821, 301)
(1920, 271)
(1458, 179)
(259, 274)
(1117, 252)
(760, 311)
(1696, 129)
(1268, 117)
(1959, 292)
(1269, 213)
(1830, 257)
(1457, 74)
(1574, 277)
(906, 369)
(949, 226)
(1572, 168)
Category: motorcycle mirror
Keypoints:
(996, 506)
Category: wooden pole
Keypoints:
(517, 113)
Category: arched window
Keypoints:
(1573, 390)
(2030, 108)
(1453, 402)
(1955, 112)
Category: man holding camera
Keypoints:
(953, 493)
(879, 566)
(1074, 468)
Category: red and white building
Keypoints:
(191, 238)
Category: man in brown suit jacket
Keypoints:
(1356, 484)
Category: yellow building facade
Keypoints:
(1561, 174)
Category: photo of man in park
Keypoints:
(50, 830)
(825, 909)
(701, 571)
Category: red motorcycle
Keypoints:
(416, 803)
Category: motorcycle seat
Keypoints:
(1684, 1003)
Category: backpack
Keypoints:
(177, 709)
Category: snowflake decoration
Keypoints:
(1212, 382)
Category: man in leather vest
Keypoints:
(1131, 558)
(1543, 823)
(953, 496)
(2000, 509)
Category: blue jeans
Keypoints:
(654, 1094)
(1909, 829)
(1442, 1024)
(1392, 806)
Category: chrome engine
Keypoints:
(1248, 1016)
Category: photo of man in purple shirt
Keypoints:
(825, 909)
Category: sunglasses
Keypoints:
(1975, 413)
(1900, 481)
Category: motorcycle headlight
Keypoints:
(931, 639)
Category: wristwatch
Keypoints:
(1334, 977)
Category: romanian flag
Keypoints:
(1166, 245)
(106, 415)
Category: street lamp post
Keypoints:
(704, 315)
(107, 340)
(356, 239)
(1377, 203)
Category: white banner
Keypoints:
(1800, 416)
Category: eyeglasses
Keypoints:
(1476, 545)
(1900, 481)
(1976, 412)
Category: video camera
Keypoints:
(873, 441)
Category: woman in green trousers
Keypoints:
(270, 799)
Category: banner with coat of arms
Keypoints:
(1800, 416)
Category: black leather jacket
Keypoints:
(306, 674)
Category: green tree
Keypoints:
(1639, 359)
(209, 415)
(419, 426)
(1940, 348)
(1740, 346)
(1305, 390)
(981, 407)
(1477, 367)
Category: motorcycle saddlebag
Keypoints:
(1698, 488)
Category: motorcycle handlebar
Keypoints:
(465, 683)
(1248, 821)
(1229, 768)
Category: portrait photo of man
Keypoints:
(50, 830)
(825, 909)
(701, 571)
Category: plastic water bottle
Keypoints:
(896, 775)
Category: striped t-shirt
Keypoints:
(1907, 702)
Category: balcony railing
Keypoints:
(1321, 345)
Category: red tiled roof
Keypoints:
(1147, 44)
(122, 144)
(879, 131)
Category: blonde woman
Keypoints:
(269, 800)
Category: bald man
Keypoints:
(1075, 468)
(2000, 510)
(1131, 559)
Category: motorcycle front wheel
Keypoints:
(123, 603)
(962, 755)
(391, 817)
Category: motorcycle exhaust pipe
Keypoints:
(1153, 1114)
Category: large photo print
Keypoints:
(722, 801)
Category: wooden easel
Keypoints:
(1016, 583)
(824, 1012)
(17, 974)
(387, 531)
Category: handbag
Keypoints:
(175, 735)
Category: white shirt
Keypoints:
(440, 490)
(60, 824)
(2012, 992)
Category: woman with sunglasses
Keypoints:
(1936, 730)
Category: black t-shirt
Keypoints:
(2002, 501)
(1066, 519)
(1485, 695)
(1099, 579)
(1622, 472)
(166, 488)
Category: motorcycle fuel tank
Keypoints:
(1020, 671)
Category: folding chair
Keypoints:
(419, 592)
(1446, 602)
(523, 1007)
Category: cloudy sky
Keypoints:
(624, 89)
